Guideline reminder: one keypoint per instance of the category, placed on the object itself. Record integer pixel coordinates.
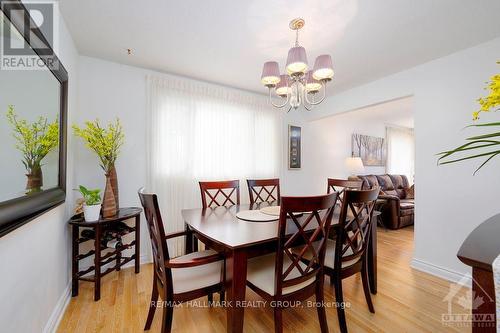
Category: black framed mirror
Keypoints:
(33, 116)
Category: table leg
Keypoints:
(236, 277)
(189, 239)
(372, 259)
(97, 263)
(483, 287)
(137, 243)
(74, 260)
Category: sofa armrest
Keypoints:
(389, 198)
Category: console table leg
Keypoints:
(97, 264)
(137, 243)
(74, 260)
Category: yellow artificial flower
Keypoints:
(105, 142)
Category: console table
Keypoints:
(479, 250)
(100, 259)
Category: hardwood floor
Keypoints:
(407, 301)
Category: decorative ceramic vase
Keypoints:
(114, 184)
(109, 208)
(35, 180)
(91, 213)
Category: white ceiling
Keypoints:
(398, 112)
(227, 41)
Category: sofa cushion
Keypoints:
(400, 183)
(385, 183)
(369, 182)
(410, 192)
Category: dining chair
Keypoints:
(264, 190)
(220, 193)
(340, 185)
(283, 277)
(179, 279)
(347, 254)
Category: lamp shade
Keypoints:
(270, 74)
(323, 68)
(312, 85)
(282, 88)
(354, 165)
(296, 62)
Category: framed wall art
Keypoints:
(294, 147)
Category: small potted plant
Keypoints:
(92, 203)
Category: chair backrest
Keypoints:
(220, 193)
(263, 190)
(355, 223)
(310, 219)
(340, 185)
(163, 275)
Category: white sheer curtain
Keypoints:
(198, 131)
(401, 151)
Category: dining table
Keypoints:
(239, 240)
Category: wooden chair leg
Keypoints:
(321, 309)
(366, 286)
(166, 322)
(210, 299)
(339, 298)
(152, 307)
(278, 320)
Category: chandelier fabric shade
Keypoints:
(270, 73)
(312, 85)
(296, 63)
(323, 68)
(299, 85)
(282, 88)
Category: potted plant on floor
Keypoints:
(486, 145)
(106, 143)
(34, 140)
(91, 204)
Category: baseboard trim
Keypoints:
(441, 272)
(58, 312)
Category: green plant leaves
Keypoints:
(91, 197)
(476, 147)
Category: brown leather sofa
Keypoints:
(395, 201)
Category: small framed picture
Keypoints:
(294, 147)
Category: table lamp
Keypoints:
(354, 166)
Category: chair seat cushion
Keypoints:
(330, 255)
(261, 273)
(192, 278)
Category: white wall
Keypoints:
(35, 258)
(108, 90)
(450, 202)
(329, 139)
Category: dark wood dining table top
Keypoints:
(221, 225)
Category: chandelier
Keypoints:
(299, 86)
